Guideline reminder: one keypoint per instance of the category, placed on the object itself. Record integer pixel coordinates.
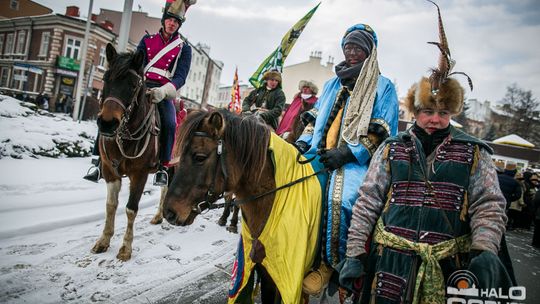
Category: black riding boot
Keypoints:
(94, 173)
(161, 178)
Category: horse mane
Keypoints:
(247, 137)
(120, 66)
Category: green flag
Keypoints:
(277, 58)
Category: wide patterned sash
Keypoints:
(429, 286)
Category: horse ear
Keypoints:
(137, 60)
(110, 51)
(217, 122)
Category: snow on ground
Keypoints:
(50, 218)
(26, 131)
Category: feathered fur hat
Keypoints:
(272, 74)
(439, 91)
(309, 84)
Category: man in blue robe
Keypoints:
(357, 110)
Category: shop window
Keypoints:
(21, 42)
(4, 77)
(19, 78)
(45, 40)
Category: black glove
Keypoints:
(350, 270)
(489, 270)
(335, 158)
(301, 146)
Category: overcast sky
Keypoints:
(496, 42)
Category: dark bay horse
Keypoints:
(229, 207)
(223, 153)
(128, 144)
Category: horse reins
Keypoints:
(210, 194)
(144, 130)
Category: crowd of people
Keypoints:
(398, 205)
(521, 190)
(401, 211)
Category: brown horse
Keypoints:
(296, 130)
(128, 144)
(223, 153)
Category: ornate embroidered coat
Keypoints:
(173, 66)
(425, 199)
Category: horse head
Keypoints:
(218, 152)
(123, 87)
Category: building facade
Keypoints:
(43, 53)
(311, 70)
(224, 94)
(202, 84)
(21, 8)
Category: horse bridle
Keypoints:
(118, 101)
(122, 132)
(212, 197)
(209, 202)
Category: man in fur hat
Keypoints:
(356, 111)
(268, 100)
(304, 100)
(431, 205)
(167, 59)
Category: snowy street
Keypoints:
(50, 218)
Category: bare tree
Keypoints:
(525, 111)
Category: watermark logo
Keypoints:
(463, 288)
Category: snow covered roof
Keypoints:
(514, 140)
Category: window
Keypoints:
(9, 43)
(19, 78)
(14, 5)
(73, 48)
(102, 56)
(1, 44)
(21, 42)
(44, 47)
(4, 77)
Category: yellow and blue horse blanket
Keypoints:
(291, 232)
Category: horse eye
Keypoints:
(199, 157)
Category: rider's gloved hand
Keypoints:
(337, 157)
(350, 270)
(301, 146)
(166, 91)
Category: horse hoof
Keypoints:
(124, 254)
(156, 220)
(232, 229)
(99, 248)
(222, 222)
